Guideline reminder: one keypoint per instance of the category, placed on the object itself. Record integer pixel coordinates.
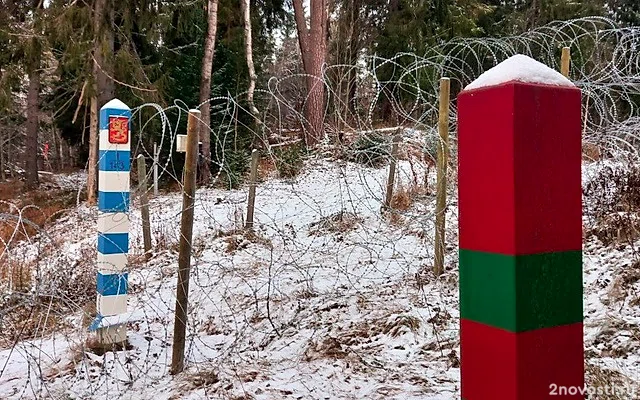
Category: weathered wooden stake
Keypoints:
(186, 233)
(144, 205)
(392, 170)
(442, 161)
(566, 61)
(156, 159)
(252, 188)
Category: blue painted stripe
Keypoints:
(112, 284)
(112, 160)
(113, 112)
(113, 243)
(113, 201)
(96, 323)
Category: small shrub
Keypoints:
(614, 189)
(371, 149)
(236, 164)
(404, 197)
(613, 200)
(289, 161)
(401, 199)
(430, 148)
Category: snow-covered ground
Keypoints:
(299, 310)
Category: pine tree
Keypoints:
(313, 47)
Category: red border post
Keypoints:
(520, 221)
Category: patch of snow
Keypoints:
(519, 68)
(116, 104)
(297, 314)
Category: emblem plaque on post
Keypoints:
(118, 130)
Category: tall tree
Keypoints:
(33, 60)
(313, 47)
(98, 56)
(248, 43)
(205, 89)
(356, 26)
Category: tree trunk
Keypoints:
(248, 43)
(313, 47)
(98, 80)
(106, 86)
(205, 90)
(31, 140)
(9, 154)
(92, 174)
(66, 155)
(2, 164)
(57, 154)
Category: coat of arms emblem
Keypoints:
(118, 130)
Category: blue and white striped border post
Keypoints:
(113, 221)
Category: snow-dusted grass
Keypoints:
(295, 311)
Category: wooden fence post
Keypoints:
(252, 188)
(565, 61)
(186, 233)
(392, 169)
(144, 205)
(442, 161)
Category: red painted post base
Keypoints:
(533, 365)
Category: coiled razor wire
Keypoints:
(250, 292)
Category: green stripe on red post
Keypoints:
(521, 293)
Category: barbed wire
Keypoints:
(330, 293)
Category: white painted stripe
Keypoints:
(105, 145)
(113, 223)
(111, 263)
(112, 181)
(111, 305)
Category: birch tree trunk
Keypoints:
(248, 42)
(313, 47)
(205, 90)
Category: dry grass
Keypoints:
(338, 346)
(63, 287)
(608, 382)
(404, 197)
(622, 227)
(266, 168)
(28, 318)
(624, 282)
(238, 239)
(39, 207)
(340, 222)
(395, 219)
(591, 152)
(164, 239)
(16, 274)
(613, 200)
(202, 378)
